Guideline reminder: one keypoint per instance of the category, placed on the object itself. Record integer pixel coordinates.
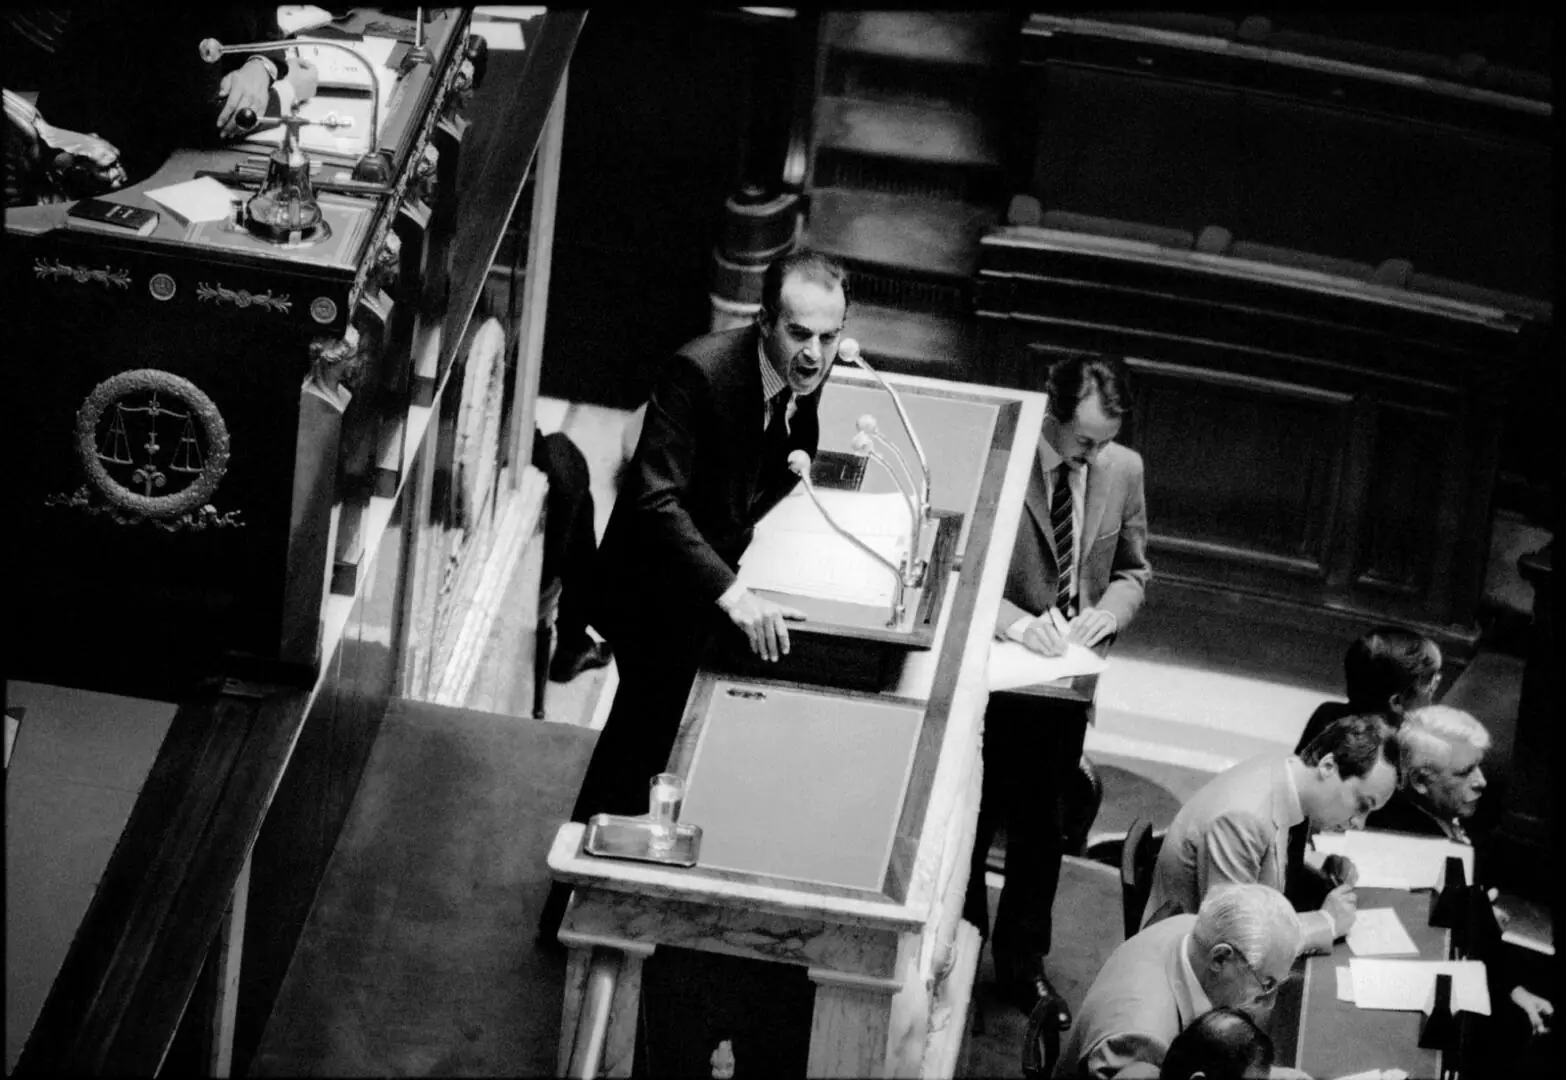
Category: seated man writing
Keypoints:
(1251, 823)
(1236, 951)
(1442, 753)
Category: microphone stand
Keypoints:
(848, 349)
(799, 465)
(911, 573)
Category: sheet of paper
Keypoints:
(1377, 1074)
(1409, 985)
(508, 11)
(293, 18)
(1379, 932)
(795, 550)
(1345, 984)
(826, 567)
(205, 199)
(860, 513)
(1388, 860)
(1013, 665)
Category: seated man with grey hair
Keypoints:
(1235, 951)
(1442, 751)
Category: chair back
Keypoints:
(1137, 858)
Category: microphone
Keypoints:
(799, 465)
(861, 445)
(848, 349)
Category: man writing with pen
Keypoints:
(1252, 823)
(1078, 571)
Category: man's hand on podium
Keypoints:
(1091, 626)
(763, 623)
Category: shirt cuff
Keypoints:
(1016, 630)
(730, 597)
(271, 68)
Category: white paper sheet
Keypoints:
(825, 567)
(294, 18)
(1377, 1074)
(1013, 665)
(1379, 932)
(796, 551)
(1409, 985)
(1388, 860)
(1345, 984)
(205, 199)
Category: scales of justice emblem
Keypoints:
(155, 448)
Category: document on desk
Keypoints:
(795, 551)
(1379, 932)
(1409, 985)
(202, 199)
(1388, 860)
(1013, 665)
(1345, 984)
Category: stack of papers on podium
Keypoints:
(1409, 985)
(795, 551)
(1387, 860)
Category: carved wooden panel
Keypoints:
(1401, 520)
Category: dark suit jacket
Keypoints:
(696, 486)
(136, 78)
(1114, 569)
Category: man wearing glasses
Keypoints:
(1236, 951)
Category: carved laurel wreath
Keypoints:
(141, 380)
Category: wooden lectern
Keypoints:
(837, 824)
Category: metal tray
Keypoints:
(613, 837)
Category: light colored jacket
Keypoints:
(1235, 829)
(1134, 1009)
(1114, 570)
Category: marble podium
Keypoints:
(837, 823)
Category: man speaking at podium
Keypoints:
(724, 415)
(1078, 570)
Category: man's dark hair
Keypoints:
(1385, 662)
(1355, 742)
(1221, 1044)
(1074, 376)
(812, 265)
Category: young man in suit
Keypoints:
(712, 459)
(1443, 752)
(1239, 826)
(1236, 951)
(1078, 570)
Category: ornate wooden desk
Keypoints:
(243, 463)
(838, 824)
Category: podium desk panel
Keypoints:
(796, 783)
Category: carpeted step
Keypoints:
(916, 132)
(419, 956)
(923, 236)
(914, 342)
(930, 37)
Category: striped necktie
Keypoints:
(1061, 536)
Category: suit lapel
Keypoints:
(1099, 483)
(1037, 502)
